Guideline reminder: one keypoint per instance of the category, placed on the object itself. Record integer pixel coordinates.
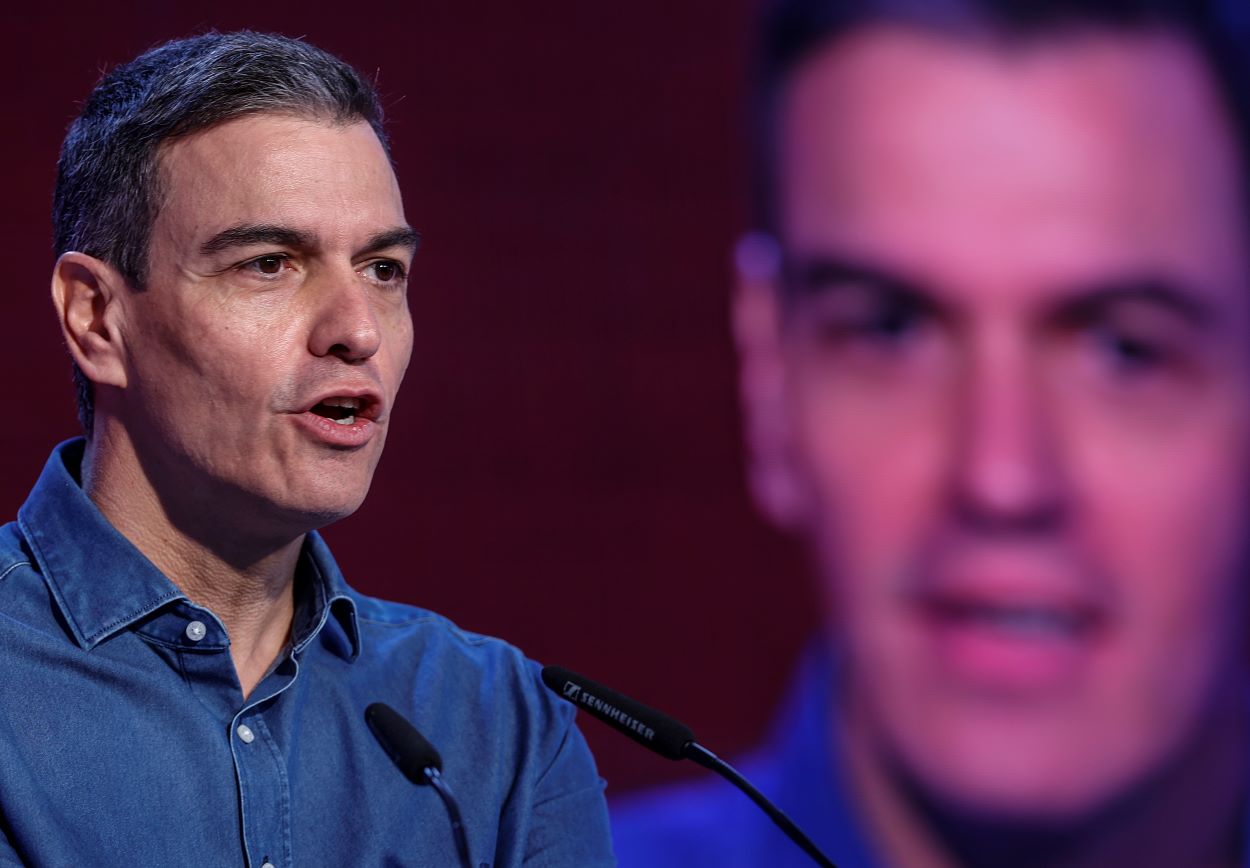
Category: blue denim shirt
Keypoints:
(125, 739)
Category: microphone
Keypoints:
(419, 762)
(669, 738)
(645, 725)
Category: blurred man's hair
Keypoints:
(793, 30)
(108, 185)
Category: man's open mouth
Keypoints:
(342, 411)
(1020, 620)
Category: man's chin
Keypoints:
(315, 513)
(295, 510)
(1049, 790)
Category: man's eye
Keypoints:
(891, 323)
(386, 271)
(268, 265)
(1131, 354)
(885, 324)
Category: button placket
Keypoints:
(262, 776)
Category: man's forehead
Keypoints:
(1062, 151)
(263, 128)
(303, 172)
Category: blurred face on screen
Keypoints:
(1000, 379)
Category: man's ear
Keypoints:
(87, 294)
(772, 472)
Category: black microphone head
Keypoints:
(406, 747)
(650, 728)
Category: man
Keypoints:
(185, 670)
(996, 367)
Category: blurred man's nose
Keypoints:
(345, 320)
(1007, 474)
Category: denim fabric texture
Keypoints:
(125, 739)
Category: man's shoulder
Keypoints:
(388, 624)
(383, 614)
(481, 702)
(435, 656)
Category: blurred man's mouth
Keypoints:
(1018, 633)
(1015, 621)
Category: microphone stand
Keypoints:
(418, 761)
(435, 777)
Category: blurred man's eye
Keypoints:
(888, 323)
(1138, 332)
(1131, 354)
(844, 305)
(862, 317)
(1133, 343)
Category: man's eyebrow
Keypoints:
(285, 236)
(256, 233)
(1158, 292)
(814, 275)
(400, 236)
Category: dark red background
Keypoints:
(565, 464)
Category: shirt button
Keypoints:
(245, 734)
(267, 865)
(196, 631)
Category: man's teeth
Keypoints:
(1019, 620)
(340, 410)
(1034, 622)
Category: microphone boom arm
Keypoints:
(668, 737)
(704, 757)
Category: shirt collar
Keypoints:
(103, 584)
(327, 603)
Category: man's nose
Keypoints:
(345, 319)
(1007, 469)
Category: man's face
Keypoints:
(265, 351)
(1012, 357)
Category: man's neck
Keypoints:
(1191, 813)
(246, 582)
